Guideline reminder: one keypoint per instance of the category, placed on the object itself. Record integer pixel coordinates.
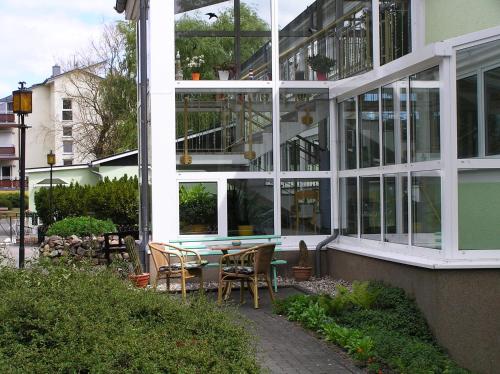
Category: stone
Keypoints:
(125, 256)
(46, 248)
(54, 238)
(54, 253)
(80, 251)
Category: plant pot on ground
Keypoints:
(302, 271)
(138, 278)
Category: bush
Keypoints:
(80, 226)
(11, 200)
(58, 320)
(116, 200)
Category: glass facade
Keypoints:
(347, 134)
(198, 208)
(369, 142)
(348, 204)
(370, 207)
(396, 208)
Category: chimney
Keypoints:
(56, 70)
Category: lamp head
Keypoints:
(22, 100)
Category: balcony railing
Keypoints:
(8, 183)
(7, 152)
(7, 118)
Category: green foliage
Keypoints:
(116, 200)
(11, 199)
(197, 205)
(321, 63)
(80, 226)
(354, 341)
(133, 254)
(62, 320)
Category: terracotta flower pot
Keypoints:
(321, 75)
(302, 273)
(140, 281)
(195, 76)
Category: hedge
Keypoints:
(80, 226)
(11, 199)
(116, 200)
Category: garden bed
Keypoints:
(378, 325)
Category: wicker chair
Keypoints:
(173, 263)
(250, 266)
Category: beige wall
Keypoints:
(449, 18)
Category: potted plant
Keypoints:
(198, 209)
(194, 65)
(302, 271)
(322, 65)
(224, 70)
(138, 278)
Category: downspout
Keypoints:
(319, 247)
(143, 134)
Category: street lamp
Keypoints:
(51, 160)
(22, 105)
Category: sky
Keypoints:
(36, 34)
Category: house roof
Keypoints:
(114, 157)
(54, 181)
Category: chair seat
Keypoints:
(188, 266)
(247, 270)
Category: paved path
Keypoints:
(285, 347)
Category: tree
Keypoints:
(103, 85)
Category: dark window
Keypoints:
(67, 112)
(67, 131)
(68, 162)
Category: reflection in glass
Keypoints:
(424, 99)
(338, 30)
(403, 122)
(369, 129)
(426, 209)
(395, 29)
(228, 130)
(492, 111)
(347, 134)
(304, 126)
(305, 207)
(467, 120)
(348, 206)
(250, 207)
(394, 120)
(370, 207)
(396, 208)
(198, 208)
(478, 209)
(233, 37)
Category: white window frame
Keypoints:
(63, 110)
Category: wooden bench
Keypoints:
(203, 250)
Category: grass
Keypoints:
(59, 318)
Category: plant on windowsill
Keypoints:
(193, 64)
(322, 65)
(198, 209)
(302, 271)
(225, 70)
(138, 278)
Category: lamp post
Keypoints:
(51, 160)
(22, 105)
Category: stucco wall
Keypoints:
(461, 306)
(449, 18)
(118, 171)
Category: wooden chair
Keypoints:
(173, 263)
(248, 266)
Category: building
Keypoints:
(395, 145)
(9, 178)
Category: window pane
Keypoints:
(467, 124)
(424, 96)
(347, 134)
(66, 104)
(68, 162)
(403, 122)
(250, 209)
(394, 120)
(305, 207)
(198, 208)
(67, 131)
(67, 147)
(492, 111)
(396, 208)
(308, 28)
(369, 129)
(370, 207)
(233, 39)
(348, 206)
(478, 209)
(395, 29)
(305, 130)
(230, 130)
(67, 115)
(6, 171)
(388, 127)
(426, 209)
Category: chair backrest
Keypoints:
(159, 259)
(263, 257)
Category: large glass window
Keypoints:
(479, 209)
(347, 134)
(305, 130)
(348, 206)
(232, 37)
(369, 129)
(492, 110)
(426, 209)
(396, 208)
(328, 39)
(467, 117)
(370, 207)
(305, 207)
(250, 207)
(394, 122)
(198, 208)
(425, 112)
(395, 29)
(229, 130)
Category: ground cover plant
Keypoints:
(62, 319)
(80, 226)
(378, 325)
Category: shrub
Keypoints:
(58, 320)
(11, 200)
(80, 226)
